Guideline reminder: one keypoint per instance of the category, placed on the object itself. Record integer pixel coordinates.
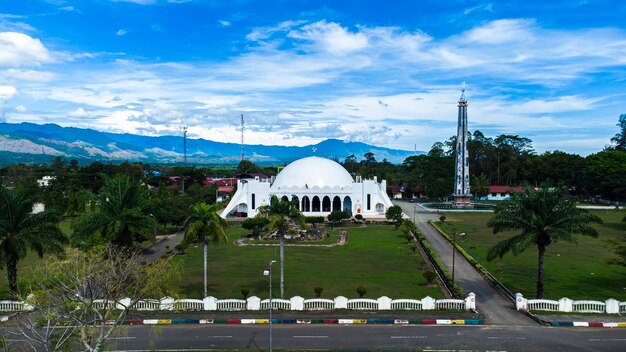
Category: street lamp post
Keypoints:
(453, 252)
(268, 272)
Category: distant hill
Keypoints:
(33, 143)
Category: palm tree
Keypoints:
(120, 218)
(282, 214)
(21, 230)
(204, 224)
(542, 217)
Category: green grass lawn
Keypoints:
(577, 271)
(375, 257)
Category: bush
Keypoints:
(442, 218)
(318, 291)
(430, 277)
(245, 292)
(361, 290)
(314, 220)
(358, 217)
(413, 247)
(337, 216)
(255, 225)
(181, 247)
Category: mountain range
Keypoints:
(33, 143)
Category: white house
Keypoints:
(320, 185)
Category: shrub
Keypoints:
(318, 291)
(413, 247)
(442, 218)
(245, 292)
(181, 247)
(255, 225)
(314, 220)
(358, 217)
(430, 277)
(336, 216)
(361, 290)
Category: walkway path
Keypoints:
(491, 304)
(160, 248)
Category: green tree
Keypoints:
(619, 140)
(394, 213)
(205, 224)
(480, 185)
(282, 214)
(542, 218)
(604, 174)
(121, 217)
(338, 215)
(21, 231)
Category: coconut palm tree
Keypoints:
(204, 224)
(121, 217)
(282, 214)
(541, 217)
(21, 231)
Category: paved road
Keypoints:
(160, 248)
(369, 337)
(491, 304)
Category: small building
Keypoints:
(45, 181)
(319, 185)
(502, 192)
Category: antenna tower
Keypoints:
(185, 144)
(242, 150)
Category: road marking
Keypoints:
(595, 340)
(505, 338)
(221, 337)
(408, 337)
(310, 337)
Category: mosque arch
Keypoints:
(380, 208)
(315, 204)
(336, 203)
(347, 204)
(326, 204)
(306, 204)
(296, 199)
(284, 199)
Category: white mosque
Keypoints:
(320, 185)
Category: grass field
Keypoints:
(375, 257)
(576, 271)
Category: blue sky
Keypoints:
(382, 72)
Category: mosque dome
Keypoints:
(312, 172)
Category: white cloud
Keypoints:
(224, 23)
(27, 75)
(80, 112)
(21, 108)
(121, 32)
(18, 49)
(7, 92)
(330, 37)
(501, 31)
(138, 2)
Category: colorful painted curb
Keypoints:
(589, 324)
(307, 321)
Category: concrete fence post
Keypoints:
(210, 303)
(428, 303)
(566, 305)
(612, 306)
(167, 303)
(341, 302)
(253, 303)
(384, 303)
(123, 303)
(297, 303)
(470, 301)
(521, 303)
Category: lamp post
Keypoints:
(454, 251)
(268, 272)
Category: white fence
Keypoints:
(610, 306)
(295, 304)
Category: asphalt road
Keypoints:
(492, 305)
(369, 337)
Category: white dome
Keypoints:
(313, 172)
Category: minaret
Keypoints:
(461, 171)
